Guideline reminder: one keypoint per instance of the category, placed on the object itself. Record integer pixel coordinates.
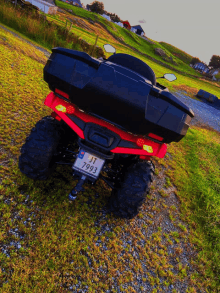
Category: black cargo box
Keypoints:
(117, 94)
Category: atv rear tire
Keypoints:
(37, 154)
(126, 200)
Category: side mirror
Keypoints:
(170, 76)
(109, 48)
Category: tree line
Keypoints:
(214, 61)
(98, 7)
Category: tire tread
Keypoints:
(127, 199)
(39, 148)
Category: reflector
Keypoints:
(61, 108)
(148, 148)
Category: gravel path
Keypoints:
(47, 53)
(205, 112)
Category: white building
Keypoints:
(133, 30)
(119, 23)
(44, 6)
(106, 16)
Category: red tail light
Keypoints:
(70, 110)
(140, 142)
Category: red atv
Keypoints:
(116, 114)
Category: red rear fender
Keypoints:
(62, 109)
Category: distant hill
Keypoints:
(124, 40)
(186, 58)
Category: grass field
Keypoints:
(58, 238)
(186, 58)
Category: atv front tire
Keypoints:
(126, 200)
(37, 154)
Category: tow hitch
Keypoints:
(73, 194)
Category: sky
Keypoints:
(190, 25)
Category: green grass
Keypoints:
(196, 173)
(39, 32)
(186, 58)
(78, 11)
(54, 250)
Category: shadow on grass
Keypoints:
(56, 188)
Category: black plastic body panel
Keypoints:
(117, 94)
(101, 136)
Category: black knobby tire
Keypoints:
(37, 154)
(126, 200)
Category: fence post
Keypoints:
(65, 29)
(94, 45)
(70, 27)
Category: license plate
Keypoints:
(88, 164)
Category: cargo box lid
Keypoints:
(167, 96)
(82, 56)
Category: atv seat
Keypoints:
(134, 64)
